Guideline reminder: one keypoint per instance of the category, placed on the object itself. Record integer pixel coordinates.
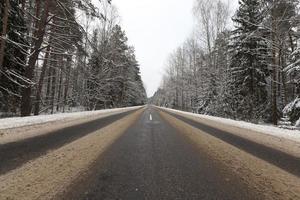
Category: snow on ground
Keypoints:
(16, 122)
(293, 135)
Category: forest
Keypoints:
(243, 67)
(65, 55)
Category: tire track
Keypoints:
(15, 154)
(276, 157)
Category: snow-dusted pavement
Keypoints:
(265, 162)
(281, 139)
(263, 129)
(48, 137)
(20, 128)
(15, 122)
(148, 153)
(42, 168)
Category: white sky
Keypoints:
(155, 28)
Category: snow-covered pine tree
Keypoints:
(118, 65)
(248, 69)
(114, 79)
(286, 15)
(133, 86)
(95, 68)
(222, 59)
(287, 31)
(15, 46)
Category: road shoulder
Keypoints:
(48, 175)
(18, 133)
(279, 142)
(271, 181)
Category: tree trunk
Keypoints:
(292, 45)
(275, 64)
(53, 88)
(274, 91)
(4, 32)
(48, 85)
(29, 70)
(274, 87)
(68, 71)
(41, 82)
(60, 83)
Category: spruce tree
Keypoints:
(248, 68)
(115, 79)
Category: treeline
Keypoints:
(250, 72)
(64, 55)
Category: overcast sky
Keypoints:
(156, 28)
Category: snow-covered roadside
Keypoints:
(282, 139)
(270, 130)
(16, 122)
(16, 129)
(269, 181)
(53, 172)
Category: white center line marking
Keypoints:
(150, 117)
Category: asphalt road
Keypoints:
(152, 160)
(15, 154)
(276, 157)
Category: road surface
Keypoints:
(146, 154)
(15, 154)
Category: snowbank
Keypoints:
(293, 135)
(16, 122)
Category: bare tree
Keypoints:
(39, 34)
(4, 32)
